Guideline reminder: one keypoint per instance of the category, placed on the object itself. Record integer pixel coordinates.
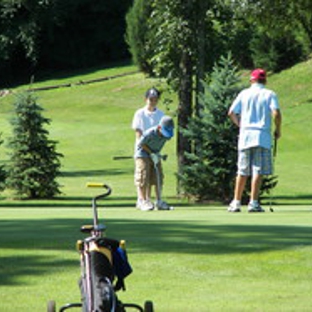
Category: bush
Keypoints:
(278, 53)
(210, 175)
(137, 34)
(2, 172)
(34, 163)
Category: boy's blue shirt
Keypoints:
(153, 140)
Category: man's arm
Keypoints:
(146, 148)
(234, 117)
(138, 134)
(277, 118)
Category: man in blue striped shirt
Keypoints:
(252, 111)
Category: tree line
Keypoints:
(59, 35)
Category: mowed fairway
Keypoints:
(196, 258)
(189, 259)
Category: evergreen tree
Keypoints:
(138, 36)
(212, 167)
(34, 163)
(2, 171)
(210, 175)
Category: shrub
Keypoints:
(212, 168)
(34, 163)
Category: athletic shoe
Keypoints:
(162, 205)
(146, 205)
(138, 204)
(234, 207)
(255, 208)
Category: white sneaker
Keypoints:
(255, 207)
(138, 204)
(146, 205)
(162, 205)
(234, 207)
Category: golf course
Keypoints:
(196, 258)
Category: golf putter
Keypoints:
(274, 156)
(158, 180)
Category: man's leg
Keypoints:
(255, 187)
(261, 164)
(254, 205)
(243, 172)
(235, 205)
(239, 187)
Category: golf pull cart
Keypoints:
(102, 261)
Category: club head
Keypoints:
(164, 157)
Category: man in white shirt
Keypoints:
(252, 111)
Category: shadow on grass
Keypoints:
(289, 200)
(94, 173)
(157, 236)
(71, 202)
(82, 202)
(143, 236)
(14, 268)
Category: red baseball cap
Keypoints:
(258, 74)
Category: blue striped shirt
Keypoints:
(153, 139)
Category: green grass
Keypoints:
(195, 258)
(190, 259)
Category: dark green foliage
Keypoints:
(34, 163)
(59, 35)
(212, 168)
(2, 172)
(276, 52)
(138, 36)
(268, 184)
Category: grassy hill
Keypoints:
(92, 123)
(197, 258)
(293, 165)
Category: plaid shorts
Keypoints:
(255, 160)
(145, 172)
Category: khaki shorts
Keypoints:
(145, 172)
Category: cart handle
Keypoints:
(96, 198)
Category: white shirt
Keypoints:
(144, 119)
(255, 105)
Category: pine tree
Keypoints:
(212, 167)
(210, 175)
(2, 171)
(34, 163)
(138, 35)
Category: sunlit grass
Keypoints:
(195, 258)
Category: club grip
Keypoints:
(96, 184)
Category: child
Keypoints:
(147, 158)
(145, 118)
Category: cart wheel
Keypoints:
(51, 306)
(148, 306)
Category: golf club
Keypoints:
(163, 157)
(122, 157)
(158, 179)
(274, 156)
